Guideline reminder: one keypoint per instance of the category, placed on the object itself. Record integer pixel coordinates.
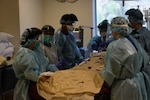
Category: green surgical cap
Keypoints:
(119, 25)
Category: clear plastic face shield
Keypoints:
(74, 25)
(105, 33)
(46, 37)
(71, 26)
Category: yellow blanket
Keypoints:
(3, 61)
(65, 82)
(79, 83)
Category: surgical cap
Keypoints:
(73, 17)
(119, 25)
(135, 15)
(68, 18)
(30, 34)
(103, 25)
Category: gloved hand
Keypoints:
(80, 61)
(45, 75)
(94, 47)
(60, 64)
(103, 44)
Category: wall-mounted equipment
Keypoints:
(78, 33)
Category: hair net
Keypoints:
(30, 34)
(120, 26)
(135, 15)
(103, 25)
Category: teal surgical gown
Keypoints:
(28, 65)
(124, 72)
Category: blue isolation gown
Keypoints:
(28, 65)
(98, 41)
(68, 49)
(142, 35)
(126, 70)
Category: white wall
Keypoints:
(31, 14)
(9, 19)
(40, 12)
(53, 10)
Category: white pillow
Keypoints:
(5, 37)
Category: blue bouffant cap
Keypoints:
(119, 25)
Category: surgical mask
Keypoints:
(48, 38)
(37, 44)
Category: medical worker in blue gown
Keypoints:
(28, 65)
(126, 65)
(47, 43)
(139, 32)
(101, 41)
(68, 52)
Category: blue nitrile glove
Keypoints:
(60, 64)
(94, 47)
(81, 60)
(103, 44)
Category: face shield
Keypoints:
(30, 38)
(47, 38)
(104, 33)
(70, 27)
(74, 25)
(32, 44)
(103, 29)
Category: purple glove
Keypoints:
(81, 60)
(94, 47)
(103, 44)
(60, 64)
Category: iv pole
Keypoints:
(87, 27)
